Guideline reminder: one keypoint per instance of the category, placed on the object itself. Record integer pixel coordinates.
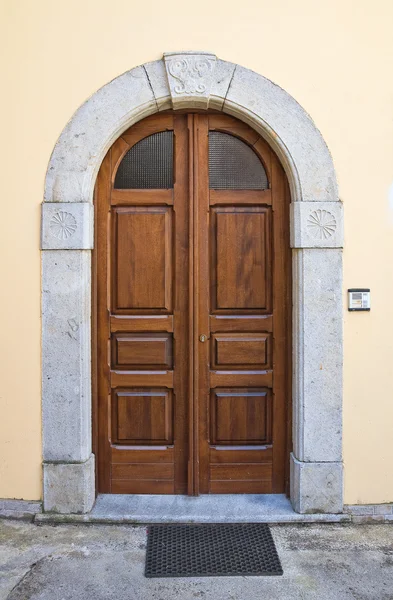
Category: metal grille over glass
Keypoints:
(233, 165)
(148, 164)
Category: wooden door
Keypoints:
(192, 300)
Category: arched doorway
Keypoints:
(189, 80)
(193, 305)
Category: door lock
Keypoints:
(203, 338)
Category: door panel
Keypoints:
(240, 416)
(142, 279)
(240, 261)
(239, 350)
(242, 425)
(142, 350)
(142, 297)
(192, 309)
(142, 416)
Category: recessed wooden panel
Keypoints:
(240, 416)
(142, 350)
(241, 259)
(142, 270)
(142, 416)
(241, 350)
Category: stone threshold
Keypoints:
(235, 508)
(275, 508)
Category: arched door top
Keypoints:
(190, 80)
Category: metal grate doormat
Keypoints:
(211, 550)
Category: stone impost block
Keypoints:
(316, 487)
(69, 488)
(317, 225)
(190, 77)
(317, 354)
(66, 226)
(66, 356)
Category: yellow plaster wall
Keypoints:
(334, 57)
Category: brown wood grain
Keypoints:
(143, 486)
(240, 416)
(172, 413)
(143, 471)
(240, 244)
(143, 416)
(141, 197)
(142, 242)
(241, 323)
(142, 351)
(129, 323)
(142, 454)
(241, 350)
(261, 197)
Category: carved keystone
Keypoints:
(190, 76)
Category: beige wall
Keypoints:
(334, 57)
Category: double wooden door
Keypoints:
(191, 310)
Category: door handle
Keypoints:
(202, 338)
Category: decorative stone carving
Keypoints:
(317, 225)
(190, 78)
(62, 225)
(321, 224)
(67, 226)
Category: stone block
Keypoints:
(69, 488)
(10, 506)
(367, 519)
(360, 509)
(66, 355)
(158, 79)
(317, 355)
(66, 226)
(383, 509)
(190, 77)
(222, 78)
(317, 225)
(316, 487)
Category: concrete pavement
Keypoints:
(102, 562)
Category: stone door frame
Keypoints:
(189, 80)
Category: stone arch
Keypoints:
(192, 80)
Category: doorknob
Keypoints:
(203, 338)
